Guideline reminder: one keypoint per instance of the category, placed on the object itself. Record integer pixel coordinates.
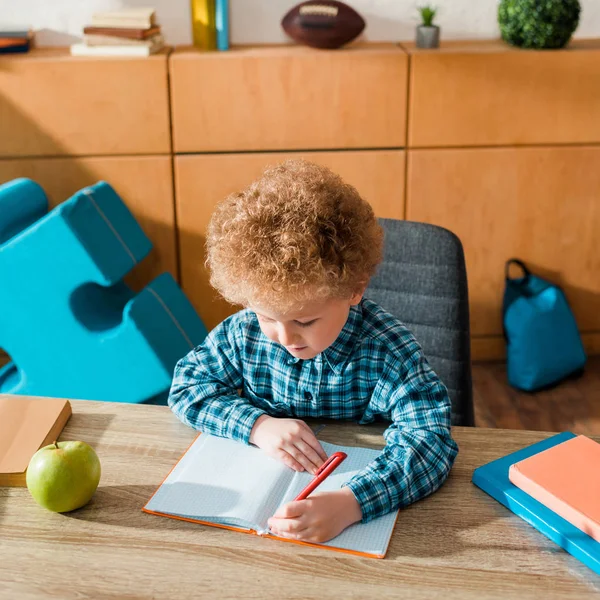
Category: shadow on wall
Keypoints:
(584, 303)
(388, 29)
(51, 37)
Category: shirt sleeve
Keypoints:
(204, 391)
(419, 450)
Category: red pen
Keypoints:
(326, 469)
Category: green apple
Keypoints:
(63, 476)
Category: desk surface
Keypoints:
(458, 543)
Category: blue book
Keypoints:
(493, 479)
(222, 24)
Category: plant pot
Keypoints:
(428, 36)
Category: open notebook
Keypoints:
(224, 483)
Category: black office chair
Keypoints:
(423, 282)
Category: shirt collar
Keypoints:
(338, 353)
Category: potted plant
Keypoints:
(428, 34)
(535, 24)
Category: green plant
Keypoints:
(427, 15)
(538, 23)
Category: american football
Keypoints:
(323, 23)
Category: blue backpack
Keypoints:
(542, 340)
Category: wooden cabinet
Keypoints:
(53, 104)
(538, 204)
(488, 93)
(201, 181)
(144, 184)
(289, 98)
(501, 145)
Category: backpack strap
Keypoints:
(519, 263)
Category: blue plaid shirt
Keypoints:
(375, 368)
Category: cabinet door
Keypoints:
(538, 204)
(144, 184)
(54, 104)
(201, 181)
(289, 98)
(488, 93)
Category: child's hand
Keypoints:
(289, 440)
(319, 518)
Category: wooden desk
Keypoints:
(459, 543)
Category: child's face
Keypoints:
(308, 331)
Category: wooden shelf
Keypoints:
(494, 47)
(54, 104)
(491, 94)
(501, 145)
(288, 98)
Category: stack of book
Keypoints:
(553, 485)
(128, 32)
(15, 39)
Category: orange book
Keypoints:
(566, 479)
(26, 425)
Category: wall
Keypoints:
(59, 22)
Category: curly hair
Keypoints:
(298, 233)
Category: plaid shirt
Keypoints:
(375, 368)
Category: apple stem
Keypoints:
(55, 444)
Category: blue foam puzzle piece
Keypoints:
(73, 328)
(493, 479)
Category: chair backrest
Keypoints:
(423, 282)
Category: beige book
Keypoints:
(26, 425)
(120, 50)
(111, 40)
(127, 18)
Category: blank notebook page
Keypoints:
(372, 537)
(221, 480)
(566, 479)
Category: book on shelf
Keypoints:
(129, 18)
(17, 31)
(120, 32)
(155, 43)
(15, 39)
(120, 50)
(26, 425)
(222, 24)
(128, 32)
(204, 32)
(228, 484)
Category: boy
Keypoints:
(297, 248)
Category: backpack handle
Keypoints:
(519, 263)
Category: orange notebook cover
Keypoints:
(566, 479)
(26, 425)
(224, 483)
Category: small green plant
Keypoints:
(427, 15)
